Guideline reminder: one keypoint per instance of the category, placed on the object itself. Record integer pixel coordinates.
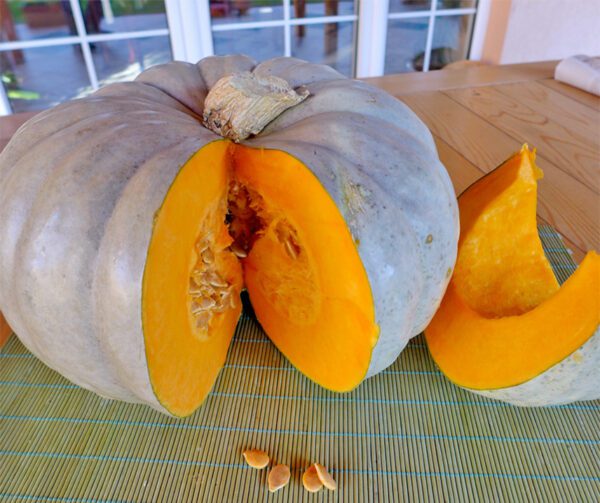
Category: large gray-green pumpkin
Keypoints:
(80, 185)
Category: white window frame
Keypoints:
(372, 19)
(190, 32)
(198, 36)
(83, 39)
(372, 37)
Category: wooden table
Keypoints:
(481, 115)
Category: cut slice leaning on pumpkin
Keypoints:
(139, 214)
(505, 328)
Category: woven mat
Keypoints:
(405, 435)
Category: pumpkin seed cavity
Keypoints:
(290, 285)
(248, 218)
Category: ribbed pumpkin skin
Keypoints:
(79, 186)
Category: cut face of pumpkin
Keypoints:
(505, 328)
(227, 222)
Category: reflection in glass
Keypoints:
(121, 15)
(455, 4)
(34, 20)
(405, 45)
(330, 43)
(451, 36)
(314, 8)
(409, 5)
(258, 43)
(33, 82)
(123, 60)
(244, 11)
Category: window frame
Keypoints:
(83, 39)
(190, 31)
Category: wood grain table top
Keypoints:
(481, 115)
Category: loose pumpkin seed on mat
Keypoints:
(325, 477)
(279, 476)
(255, 458)
(311, 480)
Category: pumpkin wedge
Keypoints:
(505, 329)
(130, 221)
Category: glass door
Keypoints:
(55, 50)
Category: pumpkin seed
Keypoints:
(255, 458)
(207, 302)
(238, 251)
(221, 309)
(325, 477)
(215, 280)
(311, 481)
(290, 249)
(203, 320)
(278, 477)
(196, 291)
(198, 277)
(202, 304)
(208, 257)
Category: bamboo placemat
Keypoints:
(405, 435)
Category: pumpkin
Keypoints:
(130, 221)
(505, 328)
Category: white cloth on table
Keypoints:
(580, 71)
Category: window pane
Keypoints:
(123, 15)
(32, 81)
(121, 60)
(331, 43)
(31, 20)
(244, 11)
(258, 43)
(451, 37)
(455, 4)
(409, 5)
(405, 45)
(313, 8)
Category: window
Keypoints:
(426, 35)
(316, 30)
(54, 50)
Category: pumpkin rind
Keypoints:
(80, 185)
(574, 378)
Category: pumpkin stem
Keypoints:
(242, 104)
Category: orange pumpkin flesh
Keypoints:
(303, 273)
(316, 308)
(504, 319)
(502, 269)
